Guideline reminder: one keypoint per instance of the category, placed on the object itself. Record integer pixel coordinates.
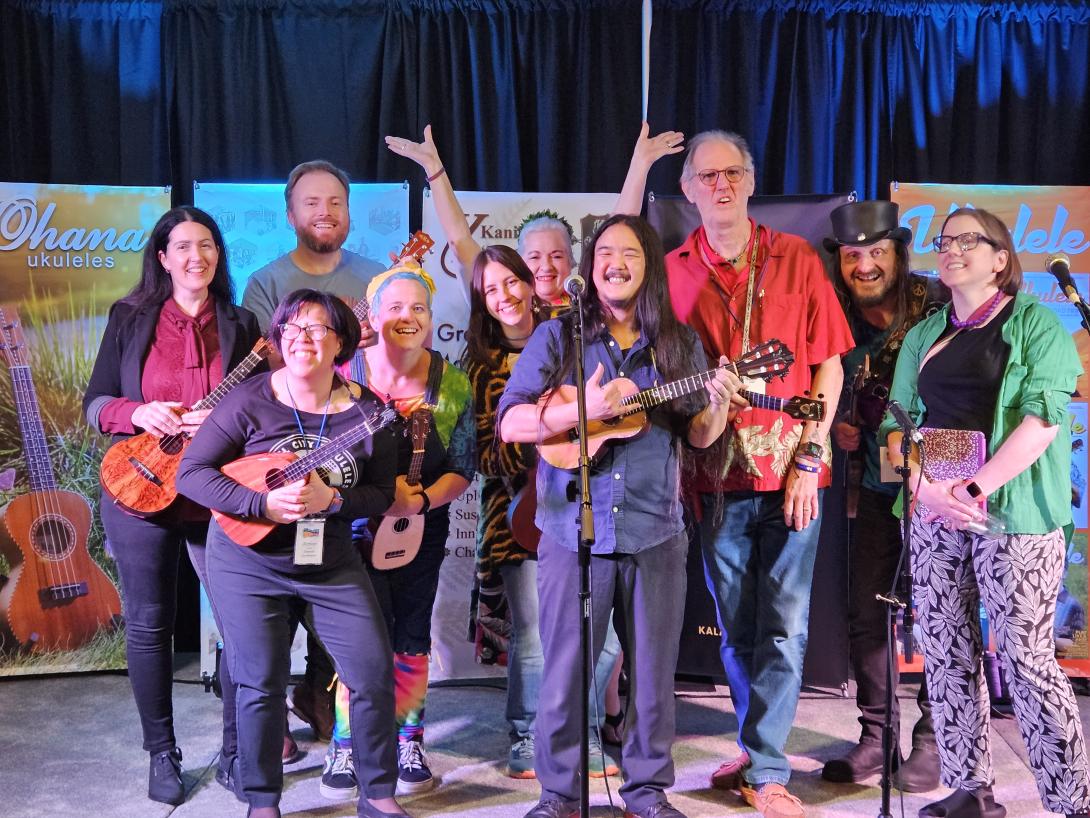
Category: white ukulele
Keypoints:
(397, 539)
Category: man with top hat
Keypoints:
(882, 300)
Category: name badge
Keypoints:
(309, 540)
(754, 385)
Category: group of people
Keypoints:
(744, 484)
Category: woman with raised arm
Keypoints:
(997, 362)
(167, 345)
(545, 240)
(308, 558)
(434, 398)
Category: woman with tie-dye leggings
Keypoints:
(998, 362)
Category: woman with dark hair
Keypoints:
(258, 590)
(638, 560)
(167, 344)
(994, 361)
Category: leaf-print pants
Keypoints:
(1017, 576)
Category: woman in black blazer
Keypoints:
(167, 344)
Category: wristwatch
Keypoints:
(427, 502)
(972, 489)
(811, 449)
(336, 503)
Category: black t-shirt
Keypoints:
(959, 384)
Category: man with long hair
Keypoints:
(638, 563)
(882, 300)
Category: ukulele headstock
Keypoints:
(765, 361)
(12, 340)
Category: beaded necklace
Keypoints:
(980, 315)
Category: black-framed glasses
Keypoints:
(315, 332)
(966, 241)
(709, 178)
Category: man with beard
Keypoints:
(317, 200)
(317, 205)
(758, 495)
(882, 300)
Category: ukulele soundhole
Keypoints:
(52, 537)
(172, 444)
(401, 524)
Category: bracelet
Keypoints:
(437, 174)
(811, 449)
(336, 503)
(807, 468)
(427, 502)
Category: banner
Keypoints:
(494, 218)
(1043, 221)
(67, 252)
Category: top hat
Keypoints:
(862, 223)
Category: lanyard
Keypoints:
(751, 286)
(299, 420)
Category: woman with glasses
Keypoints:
(258, 590)
(998, 362)
(167, 345)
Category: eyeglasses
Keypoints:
(315, 332)
(733, 174)
(966, 241)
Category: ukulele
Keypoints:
(57, 598)
(397, 539)
(273, 470)
(764, 361)
(138, 472)
(419, 244)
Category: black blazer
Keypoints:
(127, 339)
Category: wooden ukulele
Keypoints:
(521, 512)
(57, 598)
(273, 470)
(416, 247)
(138, 472)
(397, 539)
(765, 361)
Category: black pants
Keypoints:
(875, 551)
(147, 554)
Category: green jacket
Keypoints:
(1038, 380)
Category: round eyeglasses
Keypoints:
(734, 174)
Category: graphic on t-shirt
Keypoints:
(339, 470)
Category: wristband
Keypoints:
(437, 173)
(427, 502)
(336, 503)
(807, 467)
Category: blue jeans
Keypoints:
(759, 571)
(525, 658)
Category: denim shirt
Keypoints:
(634, 483)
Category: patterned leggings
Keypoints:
(1018, 578)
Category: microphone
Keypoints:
(1060, 267)
(575, 285)
(904, 421)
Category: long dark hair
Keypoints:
(484, 335)
(902, 287)
(155, 285)
(673, 343)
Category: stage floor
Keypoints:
(71, 746)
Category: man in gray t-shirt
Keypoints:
(317, 201)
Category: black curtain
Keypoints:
(842, 95)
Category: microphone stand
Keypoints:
(893, 604)
(586, 542)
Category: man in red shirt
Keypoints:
(758, 495)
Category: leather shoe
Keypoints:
(662, 809)
(552, 808)
(227, 777)
(919, 772)
(165, 777)
(314, 706)
(965, 804)
(366, 809)
(862, 761)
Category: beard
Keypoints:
(322, 245)
(874, 297)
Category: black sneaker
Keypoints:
(338, 775)
(227, 776)
(413, 772)
(165, 777)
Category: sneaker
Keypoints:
(520, 761)
(227, 776)
(729, 774)
(663, 809)
(413, 772)
(599, 762)
(338, 775)
(772, 800)
(552, 809)
(165, 777)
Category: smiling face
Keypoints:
(319, 212)
(303, 355)
(402, 318)
(548, 255)
(190, 259)
(619, 266)
(869, 272)
(507, 297)
(969, 269)
(726, 203)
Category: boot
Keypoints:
(165, 777)
(965, 804)
(919, 772)
(861, 762)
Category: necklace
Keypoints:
(734, 261)
(980, 315)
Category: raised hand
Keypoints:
(423, 153)
(649, 149)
